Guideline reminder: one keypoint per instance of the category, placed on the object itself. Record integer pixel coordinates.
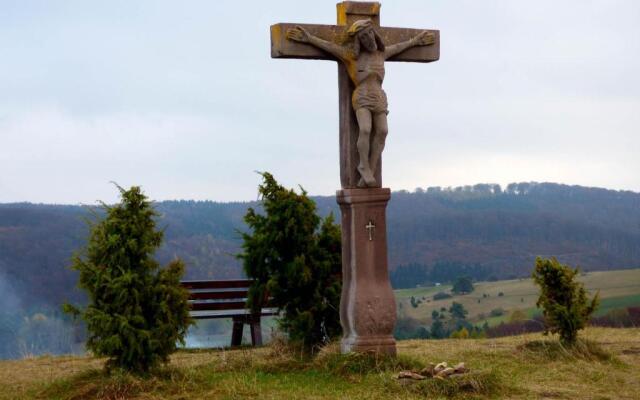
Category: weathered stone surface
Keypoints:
(445, 372)
(367, 306)
(441, 371)
(283, 48)
(410, 375)
(461, 368)
(428, 370)
(440, 367)
(361, 46)
(348, 13)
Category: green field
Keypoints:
(613, 303)
(618, 289)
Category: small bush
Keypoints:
(497, 312)
(441, 296)
(295, 256)
(463, 333)
(137, 311)
(563, 300)
(458, 311)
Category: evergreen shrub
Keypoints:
(294, 256)
(137, 311)
(563, 299)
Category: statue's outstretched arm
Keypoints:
(299, 34)
(424, 38)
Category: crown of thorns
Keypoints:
(358, 26)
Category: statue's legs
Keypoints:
(364, 137)
(379, 137)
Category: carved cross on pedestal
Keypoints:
(348, 13)
(361, 47)
(370, 227)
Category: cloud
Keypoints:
(70, 158)
(186, 101)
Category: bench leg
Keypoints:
(256, 333)
(236, 335)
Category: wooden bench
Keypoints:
(227, 299)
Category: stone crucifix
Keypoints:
(361, 47)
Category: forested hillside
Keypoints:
(434, 234)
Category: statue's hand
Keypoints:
(298, 34)
(425, 38)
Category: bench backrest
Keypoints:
(219, 295)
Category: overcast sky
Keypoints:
(184, 99)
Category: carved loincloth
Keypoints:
(369, 95)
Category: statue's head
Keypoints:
(365, 36)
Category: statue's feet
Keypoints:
(362, 184)
(366, 178)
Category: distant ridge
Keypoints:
(484, 228)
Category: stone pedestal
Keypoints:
(367, 305)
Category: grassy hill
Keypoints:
(618, 289)
(521, 367)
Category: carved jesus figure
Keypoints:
(364, 55)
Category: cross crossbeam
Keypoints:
(283, 48)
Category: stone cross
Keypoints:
(370, 227)
(361, 46)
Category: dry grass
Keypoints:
(522, 367)
(19, 376)
(539, 373)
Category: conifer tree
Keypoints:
(438, 330)
(458, 311)
(137, 311)
(462, 285)
(563, 300)
(294, 256)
